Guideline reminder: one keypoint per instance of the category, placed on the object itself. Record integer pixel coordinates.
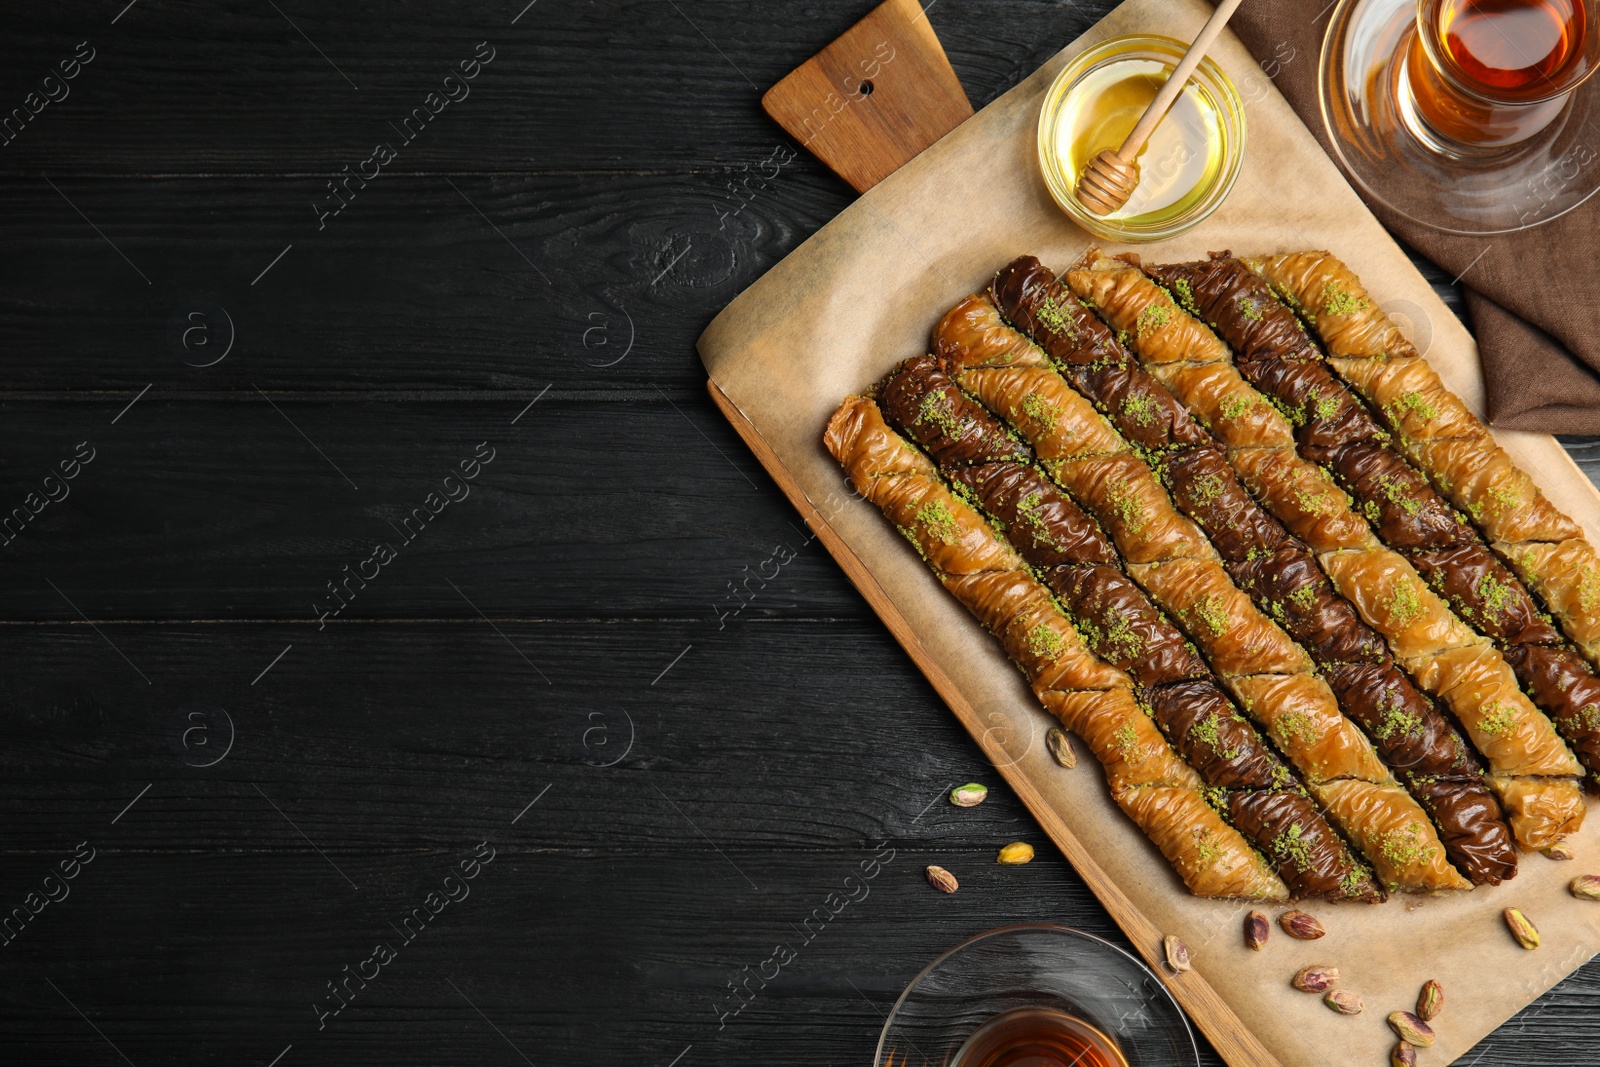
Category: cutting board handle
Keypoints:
(873, 99)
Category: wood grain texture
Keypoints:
(615, 146)
(870, 101)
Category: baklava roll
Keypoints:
(1543, 810)
(1157, 790)
(1302, 715)
(1331, 297)
(1310, 856)
(1210, 856)
(1216, 740)
(1122, 737)
(1369, 351)
(1471, 825)
(1566, 575)
(1513, 735)
(1486, 594)
(1561, 681)
(1393, 832)
(1405, 726)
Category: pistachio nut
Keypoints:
(1177, 953)
(1016, 852)
(969, 796)
(1521, 929)
(1407, 1027)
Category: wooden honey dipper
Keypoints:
(1112, 176)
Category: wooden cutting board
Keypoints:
(873, 99)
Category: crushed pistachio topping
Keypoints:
(1405, 846)
(1206, 489)
(1129, 509)
(1396, 721)
(1141, 408)
(1040, 410)
(935, 517)
(1327, 407)
(1400, 494)
(1353, 882)
(1234, 406)
(1126, 739)
(1500, 499)
(1320, 503)
(1411, 403)
(1248, 307)
(1056, 318)
(1153, 317)
(1405, 603)
(937, 411)
(1337, 300)
(1046, 643)
(1028, 511)
(1588, 587)
(1498, 597)
(1589, 717)
(1293, 846)
(1304, 598)
(1205, 732)
(1212, 611)
(1207, 852)
(1499, 718)
(1186, 296)
(1296, 726)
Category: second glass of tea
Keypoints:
(1471, 116)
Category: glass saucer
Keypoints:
(1035, 966)
(1360, 84)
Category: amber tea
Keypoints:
(1509, 49)
(1491, 73)
(1038, 1037)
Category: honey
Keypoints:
(1185, 168)
(1177, 164)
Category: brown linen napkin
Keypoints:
(1532, 295)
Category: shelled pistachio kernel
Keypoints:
(970, 795)
(1407, 1027)
(1177, 953)
(1430, 1002)
(1315, 979)
(1299, 925)
(1585, 887)
(1524, 931)
(1403, 1055)
(1257, 928)
(1016, 853)
(1560, 852)
(1060, 747)
(942, 880)
(1344, 1002)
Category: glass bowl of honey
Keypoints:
(1188, 165)
(1036, 995)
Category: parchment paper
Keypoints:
(866, 291)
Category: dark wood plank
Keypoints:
(246, 508)
(423, 283)
(538, 933)
(628, 85)
(377, 736)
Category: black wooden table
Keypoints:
(377, 572)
